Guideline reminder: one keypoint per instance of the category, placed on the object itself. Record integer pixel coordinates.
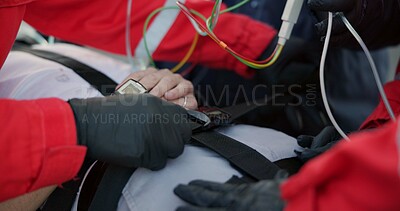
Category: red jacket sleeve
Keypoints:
(363, 174)
(37, 145)
(10, 19)
(101, 24)
(380, 115)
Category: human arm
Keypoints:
(11, 15)
(41, 137)
(38, 145)
(101, 24)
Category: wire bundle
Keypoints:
(210, 25)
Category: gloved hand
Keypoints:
(131, 130)
(314, 146)
(377, 21)
(260, 196)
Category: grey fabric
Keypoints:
(351, 89)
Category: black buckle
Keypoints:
(209, 118)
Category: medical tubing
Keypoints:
(214, 15)
(128, 34)
(188, 54)
(191, 49)
(247, 61)
(372, 64)
(213, 19)
(322, 81)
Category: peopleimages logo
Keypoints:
(304, 94)
(260, 95)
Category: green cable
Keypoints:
(234, 6)
(198, 14)
(210, 20)
(146, 24)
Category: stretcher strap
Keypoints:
(243, 157)
(110, 188)
(101, 82)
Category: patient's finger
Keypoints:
(184, 88)
(138, 75)
(191, 102)
(151, 80)
(166, 83)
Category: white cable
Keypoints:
(372, 64)
(322, 80)
(51, 40)
(128, 34)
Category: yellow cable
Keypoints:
(273, 60)
(188, 54)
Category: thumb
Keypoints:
(327, 135)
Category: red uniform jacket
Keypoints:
(38, 138)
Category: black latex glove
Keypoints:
(314, 146)
(377, 21)
(131, 130)
(208, 196)
(295, 65)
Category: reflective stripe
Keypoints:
(157, 30)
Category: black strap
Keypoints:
(91, 185)
(101, 82)
(110, 189)
(240, 155)
(237, 111)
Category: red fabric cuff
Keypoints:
(62, 157)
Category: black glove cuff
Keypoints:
(79, 107)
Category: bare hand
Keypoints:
(166, 85)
